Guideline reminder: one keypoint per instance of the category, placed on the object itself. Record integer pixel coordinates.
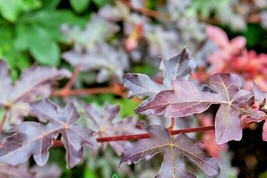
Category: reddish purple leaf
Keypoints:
(260, 97)
(33, 138)
(174, 149)
(186, 98)
(106, 123)
(33, 83)
(178, 67)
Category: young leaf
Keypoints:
(107, 123)
(186, 99)
(33, 83)
(174, 149)
(33, 138)
(178, 67)
(141, 85)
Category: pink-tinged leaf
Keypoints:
(34, 83)
(258, 94)
(238, 43)
(8, 171)
(217, 35)
(33, 138)
(174, 149)
(106, 123)
(185, 99)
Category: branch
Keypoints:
(73, 78)
(114, 89)
(147, 12)
(2, 123)
(58, 143)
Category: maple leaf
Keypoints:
(227, 49)
(107, 123)
(33, 138)
(187, 98)
(174, 149)
(33, 83)
(227, 121)
(178, 67)
(109, 60)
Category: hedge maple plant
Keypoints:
(175, 95)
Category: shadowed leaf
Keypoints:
(174, 149)
(33, 138)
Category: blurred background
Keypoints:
(109, 38)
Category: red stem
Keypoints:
(2, 123)
(73, 78)
(148, 12)
(115, 89)
(172, 124)
(58, 143)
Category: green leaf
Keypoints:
(114, 176)
(253, 34)
(43, 48)
(50, 4)
(17, 62)
(127, 107)
(13, 8)
(79, 5)
(89, 173)
(52, 20)
(101, 3)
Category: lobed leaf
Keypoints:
(176, 68)
(180, 66)
(174, 150)
(107, 123)
(141, 85)
(33, 83)
(186, 98)
(33, 138)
